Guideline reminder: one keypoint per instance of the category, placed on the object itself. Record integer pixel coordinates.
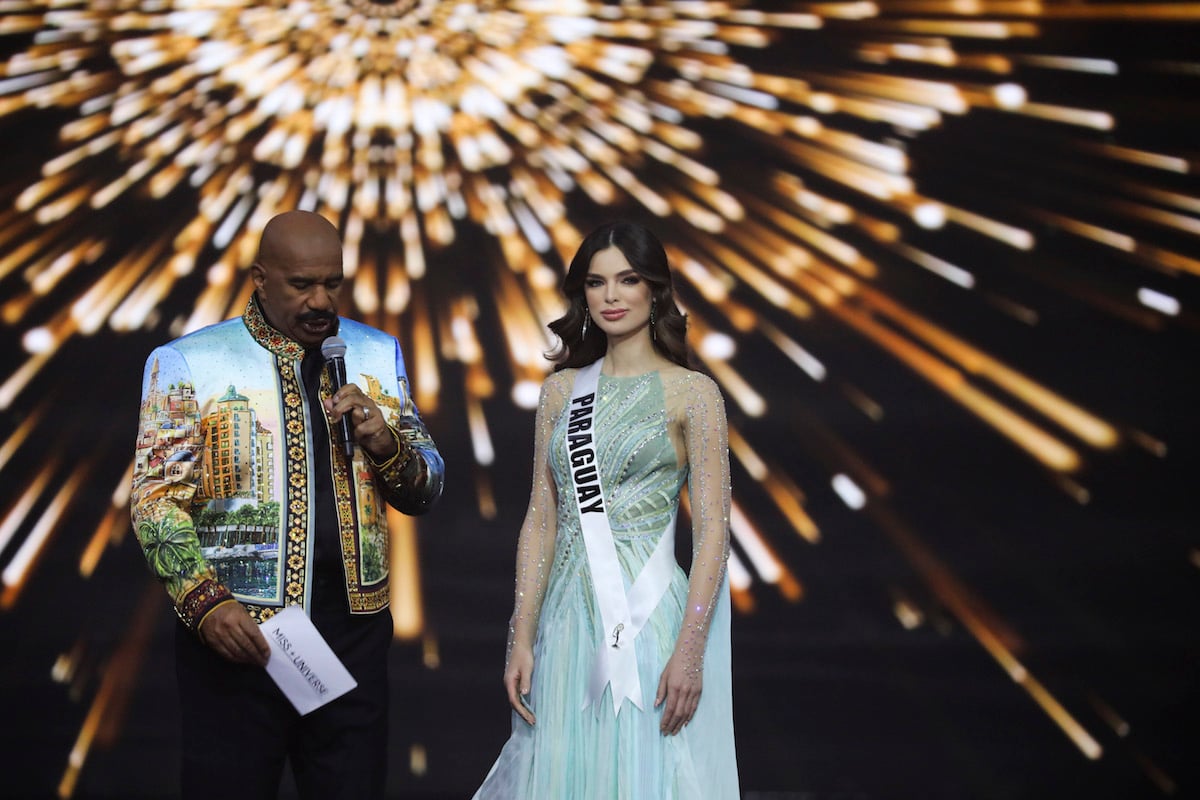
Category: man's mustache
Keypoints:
(314, 316)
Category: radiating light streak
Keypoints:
(928, 52)
(1111, 718)
(485, 492)
(1123, 11)
(1181, 222)
(741, 584)
(209, 308)
(48, 337)
(425, 374)
(1185, 202)
(860, 400)
(481, 440)
(763, 558)
(768, 288)
(1084, 118)
(66, 664)
(806, 361)
(746, 455)
(939, 267)
(145, 298)
(122, 491)
(655, 202)
(1104, 236)
(750, 401)
(849, 491)
(21, 377)
(366, 290)
(768, 247)
(418, 760)
(64, 204)
(16, 572)
(40, 192)
(93, 307)
(941, 96)
(828, 244)
(1088, 427)
(1021, 313)
(404, 579)
(910, 116)
(1161, 161)
(116, 684)
(1157, 257)
(907, 612)
(1153, 446)
(788, 497)
(854, 175)
(972, 8)
(19, 511)
(1011, 235)
(1164, 782)
(101, 538)
(877, 229)
(12, 229)
(1073, 489)
(12, 444)
(44, 280)
(714, 286)
(822, 207)
(751, 16)
(740, 579)
(988, 631)
(985, 62)
(723, 202)
(1098, 66)
(1159, 301)
(716, 346)
(1034, 440)
(742, 95)
(525, 332)
(965, 29)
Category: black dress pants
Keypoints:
(238, 728)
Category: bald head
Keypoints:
(295, 237)
(298, 274)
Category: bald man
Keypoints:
(244, 503)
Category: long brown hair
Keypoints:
(646, 256)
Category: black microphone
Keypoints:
(334, 351)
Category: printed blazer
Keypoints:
(222, 499)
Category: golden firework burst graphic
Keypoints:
(871, 206)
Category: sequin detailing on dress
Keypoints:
(654, 432)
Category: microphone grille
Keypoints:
(333, 347)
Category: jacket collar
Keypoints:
(266, 335)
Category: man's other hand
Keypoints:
(230, 631)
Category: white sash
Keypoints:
(621, 614)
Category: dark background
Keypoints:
(1089, 579)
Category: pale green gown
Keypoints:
(575, 752)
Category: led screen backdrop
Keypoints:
(941, 257)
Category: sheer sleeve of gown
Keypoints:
(535, 547)
(701, 410)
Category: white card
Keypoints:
(302, 664)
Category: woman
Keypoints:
(618, 662)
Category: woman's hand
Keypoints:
(518, 675)
(678, 693)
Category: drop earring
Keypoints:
(587, 317)
(653, 332)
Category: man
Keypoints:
(245, 502)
